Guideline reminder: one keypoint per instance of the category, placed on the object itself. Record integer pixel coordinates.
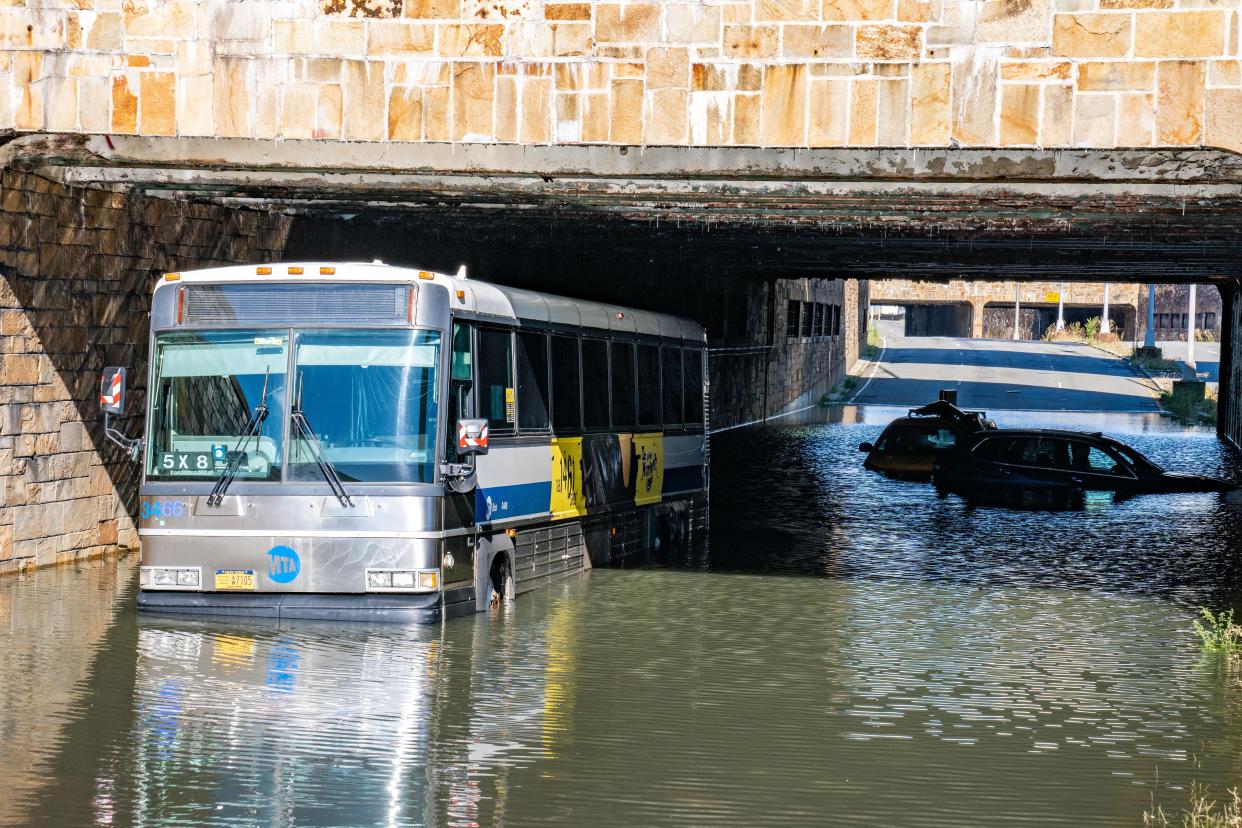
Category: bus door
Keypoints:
(460, 511)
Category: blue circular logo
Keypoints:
(283, 564)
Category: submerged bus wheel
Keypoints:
(501, 581)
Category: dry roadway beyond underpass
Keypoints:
(1002, 374)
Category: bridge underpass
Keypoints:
(733, 237)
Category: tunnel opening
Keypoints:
(777, 254)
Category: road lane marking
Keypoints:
(875, 366)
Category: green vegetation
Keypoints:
(1204, 812)
(1219, 633)
(1188, 407)
(850, 383)
(1157, 366)
(872, 350)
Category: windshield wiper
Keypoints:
(325, 464)
(253, 429)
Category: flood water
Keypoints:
(852, 651)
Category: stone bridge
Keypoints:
(738, 161)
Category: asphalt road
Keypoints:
(993, 374)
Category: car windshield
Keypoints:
(207, 386)
(371, 398)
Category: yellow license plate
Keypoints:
(235, 579)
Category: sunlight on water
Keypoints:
(853, 651)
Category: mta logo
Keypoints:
(283, 564)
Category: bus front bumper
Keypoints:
(428, 608)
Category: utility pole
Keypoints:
(1149, 341)
(1061, 308)
(1190, 332)
(1017, 307)
(1104, 326)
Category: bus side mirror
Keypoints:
(112, 403)
(471, 437)
(112, 391)
(866, 447)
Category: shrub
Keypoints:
(1218, 632)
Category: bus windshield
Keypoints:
(371, 398)
(206, 388)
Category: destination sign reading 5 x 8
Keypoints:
(189, 461)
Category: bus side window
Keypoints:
(496, 394)
(692, 398)
(623, 402)
(648, 385)
(595, 383)
(671, 358)
(566, 387)
(532, 380)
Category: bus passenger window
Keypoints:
(495, 393)
(692, 399)
(623, 408)
(532, 380)
(595, 383)
(566, 397)
(648, 385)
(671, 358)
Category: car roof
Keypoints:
(1045, 432)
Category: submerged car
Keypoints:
(909, 445)
(1044, 468)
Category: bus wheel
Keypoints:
(501, 582)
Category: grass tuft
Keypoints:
(1219, 633)
(1204, 812)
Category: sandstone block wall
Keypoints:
(823, 73)
(78, 267)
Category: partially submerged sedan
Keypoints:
(909, 445)
(1044, 468)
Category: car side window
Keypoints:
(1052, 454)
(995, 450)
(1088, 458)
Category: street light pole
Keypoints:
(1104, 326)
(1190, 332)
(1149, 341)
(1061, 308)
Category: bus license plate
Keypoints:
(235, 579)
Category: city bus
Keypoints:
(345, 441)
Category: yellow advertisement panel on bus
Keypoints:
(649, 482)
(568, 494)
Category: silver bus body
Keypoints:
(410, 540)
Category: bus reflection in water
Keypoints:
(364, 442)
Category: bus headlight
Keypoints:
(402, 580)
(171, 577)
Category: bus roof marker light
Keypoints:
(461, 296)
(263, 271)
(172, 277)
(620, 314)
(423, 274)
(295, 271)
(327, 271)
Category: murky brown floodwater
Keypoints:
(854, 651)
